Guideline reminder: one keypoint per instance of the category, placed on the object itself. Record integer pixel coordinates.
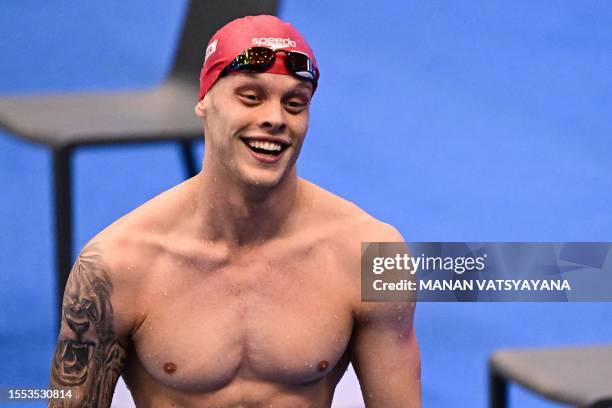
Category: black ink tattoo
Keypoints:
(88, 360)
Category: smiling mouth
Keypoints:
(264, 147)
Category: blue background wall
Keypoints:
(481, 120)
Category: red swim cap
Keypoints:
(246, 32)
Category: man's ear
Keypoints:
(200, 110)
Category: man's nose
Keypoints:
(273, 118)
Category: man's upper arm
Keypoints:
(385, 355)
(91, 347)
(384, 349)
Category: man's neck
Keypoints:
(242, 214)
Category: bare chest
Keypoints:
(271, 317)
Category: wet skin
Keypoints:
(241, 286)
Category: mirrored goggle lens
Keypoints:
(253, 58)
(301, 65)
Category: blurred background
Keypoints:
(454, 121)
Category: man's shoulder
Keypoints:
(117, 248)
(139, 234)
(344, 218)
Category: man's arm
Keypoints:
(384, 348)
(385, 355)
(90, 354)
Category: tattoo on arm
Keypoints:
(88, 359)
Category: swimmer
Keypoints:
(239, 287)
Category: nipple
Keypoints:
(170, 368)
(322, 365)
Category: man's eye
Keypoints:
(295, 105)
(249, 97)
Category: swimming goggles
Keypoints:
(261, 58)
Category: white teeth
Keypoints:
(271, 146)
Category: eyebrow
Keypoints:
(303, 83)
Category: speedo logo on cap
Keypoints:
(273, 43)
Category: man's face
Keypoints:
(255, 124)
